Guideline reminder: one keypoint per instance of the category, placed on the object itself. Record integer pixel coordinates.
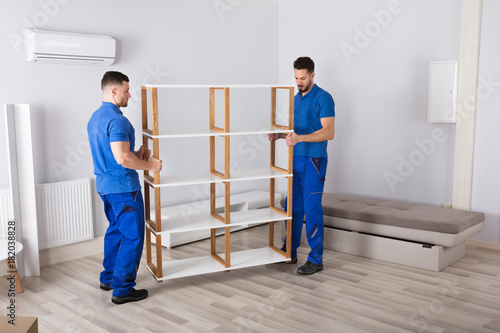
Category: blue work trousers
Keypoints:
(123, 241)
(308, 184)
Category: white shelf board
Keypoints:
(218, 85)
(205, 221)
(208, 133)
(173, 269)
(208, 178)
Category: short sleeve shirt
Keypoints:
(108, 124)
(308, 111)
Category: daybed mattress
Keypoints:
(416, 235)
(402, 220)
(400, 214)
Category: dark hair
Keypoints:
(112, 77)
(304, 63)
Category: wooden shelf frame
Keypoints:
(156, 270)
(226, 262)
(153, 182)
(289, 170)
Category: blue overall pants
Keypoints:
(123, 241)
(308, 183)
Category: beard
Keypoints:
(304, 88)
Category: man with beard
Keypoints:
(314, 125)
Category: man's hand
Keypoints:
(273, 136)
(156, 164)
(292, 139)
(143, 153)
(327, 132)
(276, 136)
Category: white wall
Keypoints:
(158, 41)
(373, 56)
(486, 177)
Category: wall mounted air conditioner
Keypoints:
(70, 48)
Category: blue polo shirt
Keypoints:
(108, 124)
(307, 113)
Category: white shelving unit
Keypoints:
(212, 220)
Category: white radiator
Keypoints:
(64, 213)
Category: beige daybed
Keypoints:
(416, 235)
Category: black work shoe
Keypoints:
(309, 268)
(292, 261)
(134, 296)
(105, 286)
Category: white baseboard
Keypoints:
(483, 244)
(72, 251)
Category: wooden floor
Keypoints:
(351, 294)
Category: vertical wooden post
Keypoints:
(156, 225)
(273, 106)
(144, 101)
(227, 202)
(289, 214)
(290, 107)
(159, 264)
(227, 146)
(212, 199)
(227, 247)
(147, 212)
(147, 199)
(272, 198)
(226, 129)
(227, 175)
(271, 234)
(290, 171)
(226, 110)
(156, 141)
(213, 243)
(212, 107)
(272, 190)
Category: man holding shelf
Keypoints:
(112, 140)
(314, 126)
